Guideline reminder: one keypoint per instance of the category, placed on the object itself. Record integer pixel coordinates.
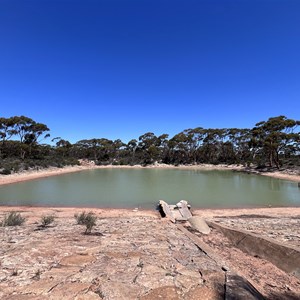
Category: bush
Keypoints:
(80, 219)
(87, 219)
(46, 220)
(90, 222)
(5, 172)
(13, 219)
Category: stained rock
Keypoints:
(165, 292)
(76, 260)
(199, 224)
(238, 288)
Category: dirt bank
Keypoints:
(36, 174)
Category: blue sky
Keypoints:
(120, 68)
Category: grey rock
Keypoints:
(199, 224)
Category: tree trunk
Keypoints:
(271, 159)
(23, 152)
(276, 159)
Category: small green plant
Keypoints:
(87, 219)
(80, 218)
(46, 220)
(13, 219)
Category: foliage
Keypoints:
(273, 143)
(80, 218)
(47, 220)
(274, 137)
(13, 219)
(5, 172)
(87, 219)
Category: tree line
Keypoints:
(272, 143)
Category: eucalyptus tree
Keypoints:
(185, 145)
(162, 142)
(107, 149)
(5, 132)
(212, 143)
(240, 149)
(275, 136)
(26, 129)
(34, 132)
(87, 148)
(178, 148)
(117, 147)
(194, 140)
(101, 150)
(63, 147)
(21, 126)
(148, 148)
(131, 149)
(32, 137)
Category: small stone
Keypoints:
(225, 268)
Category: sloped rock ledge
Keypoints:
(287, 258)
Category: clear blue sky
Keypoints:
(118, 69)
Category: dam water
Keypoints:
(129, 188)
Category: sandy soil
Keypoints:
(283, 175)
(35, 174)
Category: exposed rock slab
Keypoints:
(284, 257)
(135, 258)
(199, 224)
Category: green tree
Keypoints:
(131, 149)
(240, 139)
(63, 147)
(6, 133)
(212, 144)
(27, 130)
(274, 137)
(148, 148)
(163, 146)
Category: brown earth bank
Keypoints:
(288, 174)
(135, 254)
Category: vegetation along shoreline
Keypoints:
(270, 145)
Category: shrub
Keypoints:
(46, 220)
(87, 219)
(13, 219)
(80, 218)
(16, 167)
(5, 172)
(90, 222)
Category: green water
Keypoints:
(143, 188)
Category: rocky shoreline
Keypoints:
(137, 255)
